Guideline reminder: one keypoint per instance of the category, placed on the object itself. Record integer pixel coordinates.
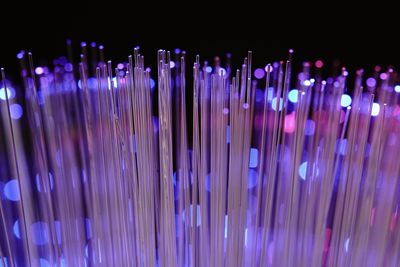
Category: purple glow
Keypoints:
(120, 66)
(310, 127)
(383, 76)
(371, 82)
(11, 190)
(177, 51)
(172, 64)
(259, 73)
(20, 55)
(40, 233)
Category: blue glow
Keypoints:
(274, 103)
(228, 134)
(208, 182)
(346, 245)
(10, 93)
(39, 183)
(253, 158)
(16, 111)
(310, 127)
(57, 226)
(5, 262)
(20, 55)
(16, 229)
(40, 233)
(293, 95)
(208, 69)
(252, 178)
(88, 227)
(397, 88)
(44, 263)
(11, 190)
(345, 101)
(270, 94)
(375, 109)
(341, 146)
(152, 83)
(303, 170)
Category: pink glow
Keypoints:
(319, 64)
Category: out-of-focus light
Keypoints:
(309, 128)
(16, 229)
(226, 227)
(208, 69)
(177, 51)
(44, 263)
(68, 67)
(39, 70)
(346, 245)
(290, 123)
(383, 76)
(307, 83)
(222, 71)
(16, 111)
(120, 66)
(259, 73)
(319, 64)
(172, 64)
(293, 95)
(268, 67)
(152, 83)
(40, 233)
(371, 82)
(303, 170)
(375, 109)
(10, 93)
(11, 190)
(253, 158)
(20, 55)
(252, 178)
(274, 103)
(397, 88)
(345, 101)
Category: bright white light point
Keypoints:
(39, 70)
(253, 158)
(270, 68)
(3, 93)
(375, 109)
(16, 111)
(346, 244)
(345, 101)
(222, 71)
(293, 95)
(312, 80)
(172, 64)
(209, 69)
(307, 83)
(11, 190)
(274, 103)
(303, 170)
(397, 88)
(226, 226)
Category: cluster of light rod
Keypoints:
(105, 166)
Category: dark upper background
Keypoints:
(359, 37)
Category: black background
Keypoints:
(359, 36)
